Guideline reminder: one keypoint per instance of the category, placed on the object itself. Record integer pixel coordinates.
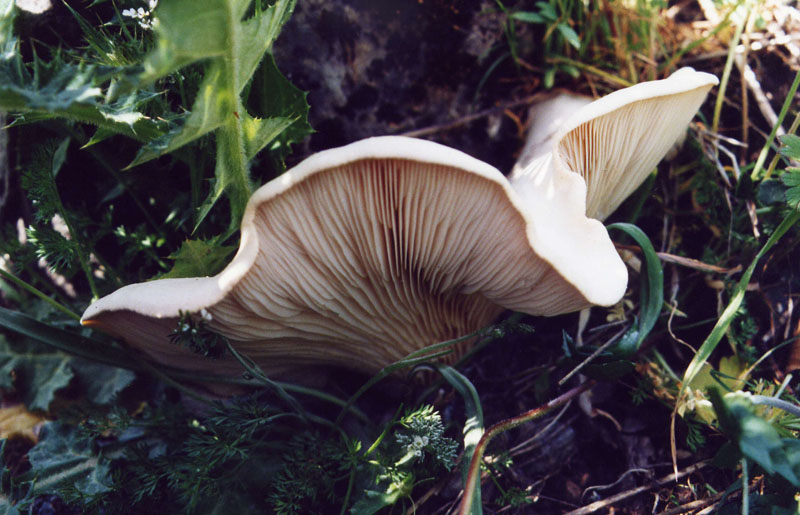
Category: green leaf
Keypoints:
(35, 374)
(547, 11)
(570, 35)
(273, 96)
(63, 459)
(198, 258)
(528, 17)
(651, 292)
(791, 146)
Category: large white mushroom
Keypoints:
(362, 254)
(614, 143)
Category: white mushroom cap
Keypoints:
(362, 254)
(615, 142)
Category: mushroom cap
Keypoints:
(363, 254)
(615, 142)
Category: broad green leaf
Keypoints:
(6, 21)
(198, 258)
(36, 375)
(62, 458)
(273, 96)
(756, 438)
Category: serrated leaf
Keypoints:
(791, 146)
(62, 458)
(214, 32)
(198, 258)
(791, 179)
(36, 375)
(273, 96)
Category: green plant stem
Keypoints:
(31, 289)
(745, 488)
(80, 245)
(776, 403)
(473, 477)
(762, 157)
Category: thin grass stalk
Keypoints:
(31, 289)
(726, 74)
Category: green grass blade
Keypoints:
(652, 281)
(719, 330)
(65, 341)
(473, 427)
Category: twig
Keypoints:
(684, 261)
(591, 508)
(694, 505)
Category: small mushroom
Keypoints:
(613, 143)
(363, 254)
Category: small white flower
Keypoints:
(417, 453)
(130, 13)
(206, 315)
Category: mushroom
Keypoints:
(363, 254)
(614, 143)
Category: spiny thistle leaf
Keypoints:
(63, 459)
(57, 89)
(215, 32)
